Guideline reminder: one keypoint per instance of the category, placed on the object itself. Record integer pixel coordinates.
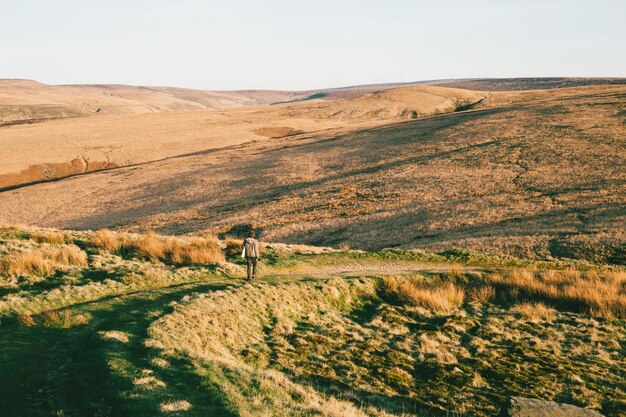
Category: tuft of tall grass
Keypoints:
(25, 263)
(440, 297)
(43, 261)
(535, 311)
(54, 319)
(69, 255)
(483, 294)
(47, 236)
(198, 251)
(107, 240)
(233, 247)
(602, 294)
(167, 249)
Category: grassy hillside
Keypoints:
(112, 139)
(539, 83)
(101, 323)
(28, 101)
(538, 178)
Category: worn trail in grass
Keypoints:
(79, 371)
(103, 368)
(121, 325)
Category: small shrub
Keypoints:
(482, 295)
(53, 319)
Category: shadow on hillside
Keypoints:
(75, 372)
(243, 190)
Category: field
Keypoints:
(535, 173)
(99, 323)
(74, 143)
(428, 249)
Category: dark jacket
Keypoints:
(251, 246)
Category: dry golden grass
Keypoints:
(150, 246)
(535, 311)
(233, 247)
(119, 336)
(441, 298)
(344, 247)
(66, 255)
(26, 263)
(167, 249)
(455, 272)
(43, 261)
(45, 236)
(482, 295)
(603, 294)
(198, 251)
(175, 406)
(107, 240)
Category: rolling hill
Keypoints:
(426, 250)
(29, 101)
(535, 173)
(85, 144)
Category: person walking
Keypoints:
(251, 251)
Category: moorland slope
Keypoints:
(77, 145)
(530, 173)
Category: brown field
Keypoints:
(77, 145)
(387, 217)
(512, 84)
(533, 173)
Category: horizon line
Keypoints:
(354, 86)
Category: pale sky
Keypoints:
(306, 44)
